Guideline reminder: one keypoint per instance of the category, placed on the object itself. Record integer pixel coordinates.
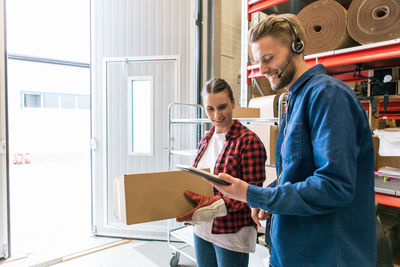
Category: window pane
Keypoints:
(32, 100)
(67, 101)
(141, 119)
(83, 102)
(50, 101)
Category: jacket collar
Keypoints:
(317, 69)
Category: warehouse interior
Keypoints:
(97, 93)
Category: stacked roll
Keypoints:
(325, 25)
(371, 21)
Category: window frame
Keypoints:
(130, 81)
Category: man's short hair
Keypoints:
(276, 26)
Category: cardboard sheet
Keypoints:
(242, 112)
(147, 197)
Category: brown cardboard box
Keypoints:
(242, 112)
(270, 175)
(268, 133)
(381, 161)
(146, 197)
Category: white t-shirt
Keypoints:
(245, 239)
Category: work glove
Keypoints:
(206, 210)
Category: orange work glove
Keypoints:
(206, 210)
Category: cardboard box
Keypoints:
(381, 161)
(242, 112)
(270, 175)
(268, 133)
(147, 197)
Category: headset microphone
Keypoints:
(280, 74)
(297, 46)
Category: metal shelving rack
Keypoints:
(339, 63)
(184, 233)
(202, 121)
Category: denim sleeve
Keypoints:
(333, 121)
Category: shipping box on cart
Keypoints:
(146, 197)
(382, 161)
(267, 132)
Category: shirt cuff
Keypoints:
(257, 197)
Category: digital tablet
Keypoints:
(207, 175)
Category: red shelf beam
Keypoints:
(379, 53)
(349, 77)
(392, 109)
(262, 5)
(389, 117)
(388, 51)
(387, 200)
(254, 73)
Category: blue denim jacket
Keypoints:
(323, 205)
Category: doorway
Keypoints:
(48, 124)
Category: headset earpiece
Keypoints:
(297, 46)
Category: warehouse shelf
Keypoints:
(188, 152)
(260, 5)
(388, 200)
(392, 109)
(192, 121)
(205, 120)
(183, 233)
(342, 64)
(337, 63)
(377, 55)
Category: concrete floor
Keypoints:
(146, 254)
(134, 253)
(116, 253)
(57, 233)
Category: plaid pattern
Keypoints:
(243, 156)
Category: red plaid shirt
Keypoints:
(243, 156)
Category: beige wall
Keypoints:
(226, 39)
(227, 27)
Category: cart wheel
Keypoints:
(175, 259)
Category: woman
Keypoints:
(224, 232)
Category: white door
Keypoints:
(142, 60)
(138, 92)
(4, 205)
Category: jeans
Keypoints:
(210, 255)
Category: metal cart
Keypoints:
(184, 234)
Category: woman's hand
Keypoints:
(259, 215)
(237, 190)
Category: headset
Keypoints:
(297, 46)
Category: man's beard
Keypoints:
(286, 77)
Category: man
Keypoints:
(322, 203)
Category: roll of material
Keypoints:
(325, 25)
(371, 21)
(268, 105)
